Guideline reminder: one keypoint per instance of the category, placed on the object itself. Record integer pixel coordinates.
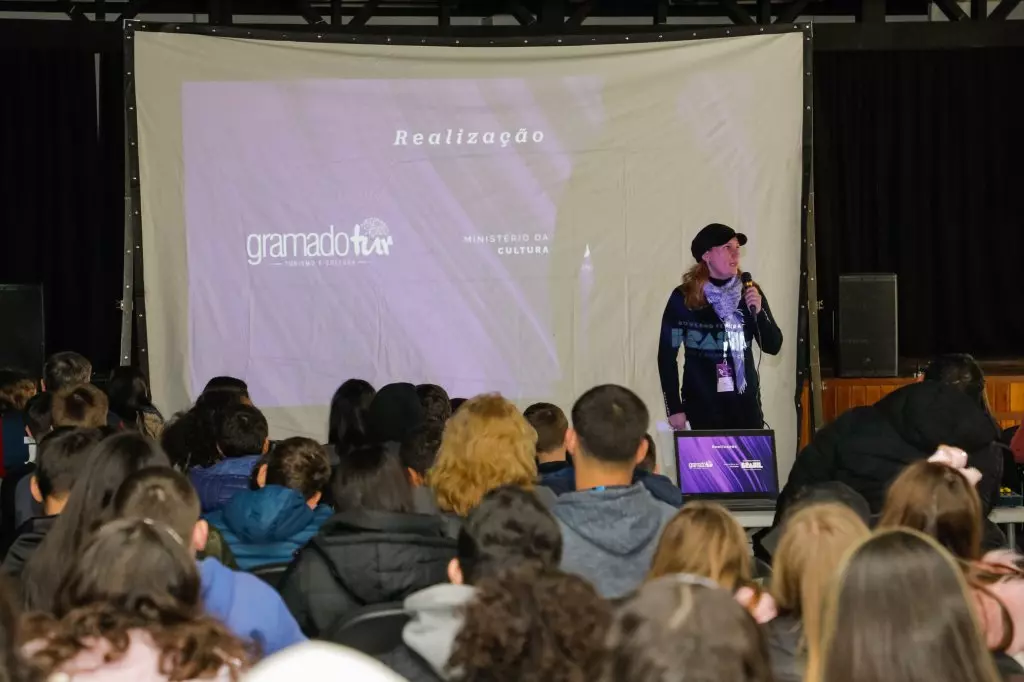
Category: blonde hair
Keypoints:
(814, 542)
(704, 539)
(693, 285)
(890, 588)
(487, 443)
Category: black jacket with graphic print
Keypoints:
(702, 334)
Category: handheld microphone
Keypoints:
(748, 281)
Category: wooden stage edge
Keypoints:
(1005, 396)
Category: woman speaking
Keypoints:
(715, 315)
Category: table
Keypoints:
(1007, 517)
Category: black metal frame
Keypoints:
(132, 196)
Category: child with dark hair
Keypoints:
(60, 461)
(246, 604)
(510, 528)
(550, 423)
(529, 624)
(346, 424)
(268, 525)
(227, 384)
(83, 405)
(373, 550)
(131, 610)
(437, 406)
(241, 436)
(130, 400)
(88, 507)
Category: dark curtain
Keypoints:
(919, 170)
(60, 194)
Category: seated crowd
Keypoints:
(466, 541)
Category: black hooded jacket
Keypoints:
(360, 558)
(867, 447)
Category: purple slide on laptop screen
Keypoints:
(726, 465)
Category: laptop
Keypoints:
(736, 468)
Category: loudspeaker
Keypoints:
(21, 319)
(868, 339)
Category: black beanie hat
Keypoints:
(394, 414)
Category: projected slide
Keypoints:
(383, 228)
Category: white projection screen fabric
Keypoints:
(506, 219)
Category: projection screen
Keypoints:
(505, 219)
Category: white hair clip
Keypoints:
(956, 459)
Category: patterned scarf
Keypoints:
(726, 300)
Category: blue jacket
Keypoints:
(219, 483)
(250, 608)
(564, 481)
(267, 526)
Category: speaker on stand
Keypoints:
(868, 340)
(22, 344)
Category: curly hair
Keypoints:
(529, 624)
(487, 443)
(15, 390)
(135, 576)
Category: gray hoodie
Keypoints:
(436, 618)
(609, 536)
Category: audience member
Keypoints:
(610, 525)
(130, 610)
(15, 390)
(529, 624)
(418, 454)
(704, 539)
(867, 447)
(550, 424)
(766, 541)
(228, 384)
(437, 406)
(456, 404)
(813, 544)
(13, 662)
(190, 438)
(62, 457)
(680, 628)
(892, 589)
(247, 605)
(268, 525)
(650, 461)
(394, 414)
(486, 444)
(83, 405)
(66, 369)
(130, 400)
(88, 507)
(242, 439)
(16, 503)
(373, 550)
(346, 425)
(39, 415)
(511, 527)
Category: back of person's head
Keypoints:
(242, 431)
(813, 544)
(892, 588)
(371, 478)
(530, 624)
(456, 404)
(137, 574)
(680, 628)
(704, 539)
(300, 464)
(939, 501)
(487, 443)
(227, 384)
(130, 400)
(419, 451)
(960, 371)
(650, 460)
(394, 414)
(82, 405)
(13, 665)
(66, 369)
(38, 415)
(164, 495)
(550, 424)
(511, 526)
(347, 420)
(61, 458)
(191, 437)
(437, 406)
(89, 506)
(609, 424)
(15, 390)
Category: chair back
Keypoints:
(271, 574)
(374, 630)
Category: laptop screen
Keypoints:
(727, 463)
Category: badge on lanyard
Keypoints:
(725, 380)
